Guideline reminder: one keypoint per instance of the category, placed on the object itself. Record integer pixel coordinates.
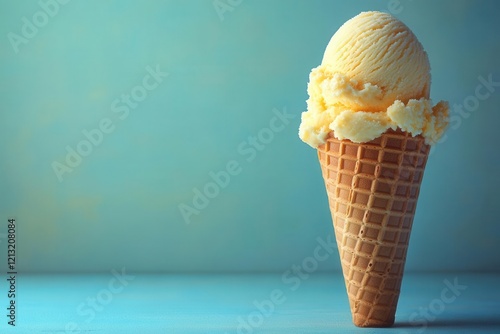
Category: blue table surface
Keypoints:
(257, 303)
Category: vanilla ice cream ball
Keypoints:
(377, 48)
(374, 76)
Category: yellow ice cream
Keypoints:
(375, 75)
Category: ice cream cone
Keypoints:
(373, 189)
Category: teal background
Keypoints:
(120, 206)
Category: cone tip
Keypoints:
(362, 321)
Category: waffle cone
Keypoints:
(372, 190)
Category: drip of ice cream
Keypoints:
(375, 75)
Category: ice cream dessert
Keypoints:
(370, 117)
(375, 75)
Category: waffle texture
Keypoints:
(373, 189)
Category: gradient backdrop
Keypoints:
(230, 72)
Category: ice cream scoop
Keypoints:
(375, 76)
